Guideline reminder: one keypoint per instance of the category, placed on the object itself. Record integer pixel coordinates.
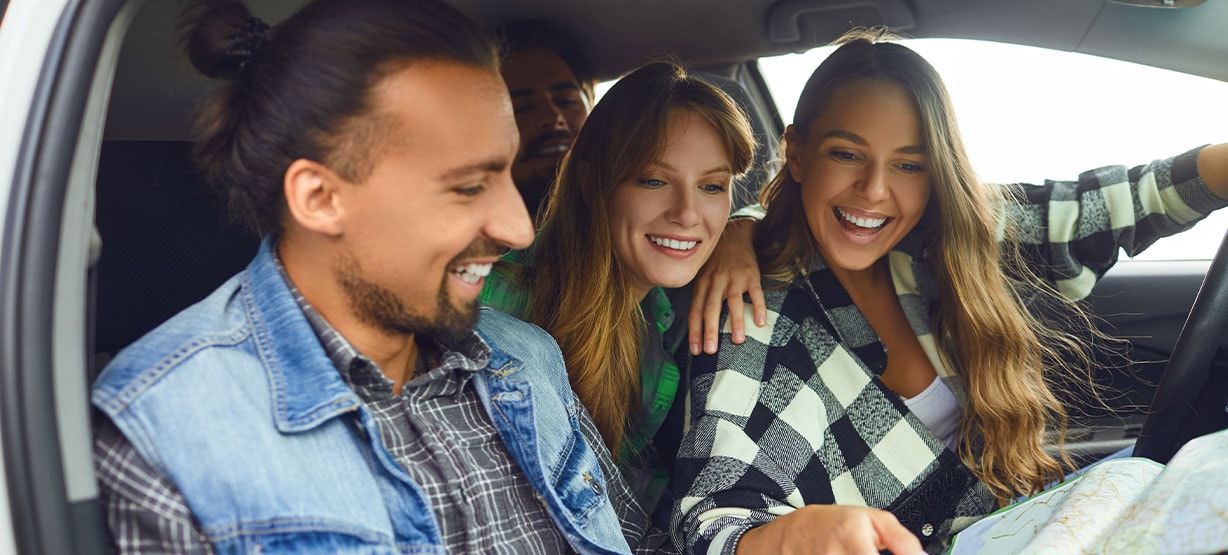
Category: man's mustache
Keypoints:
(481, 248)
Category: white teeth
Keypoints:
(471, 273)
(870, 223)
(557, 149)
(673, 244)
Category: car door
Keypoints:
(57, 59)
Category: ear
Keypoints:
(793, 153)
(311, 197)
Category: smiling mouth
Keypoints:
(551, 150)
(858, 225)
(673, 244)
(470, 273)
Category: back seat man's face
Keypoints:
(550, 107)
(423, 229)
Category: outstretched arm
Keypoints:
(1213, 169)
(1073, 231)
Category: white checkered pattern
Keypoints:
(796, 415)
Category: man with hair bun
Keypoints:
(344, 393)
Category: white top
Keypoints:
(938, 408)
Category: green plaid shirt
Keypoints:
(641, 465)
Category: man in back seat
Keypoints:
(343, 393)
(552, 92)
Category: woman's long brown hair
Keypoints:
(994, 344)
(581, 292)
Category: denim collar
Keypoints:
(307, 387)
(307, 390)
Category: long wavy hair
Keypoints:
(582, 294)
(997, 347)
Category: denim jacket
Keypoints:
(236, 402)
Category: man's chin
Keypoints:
(454, 322)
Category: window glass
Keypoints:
(1029, 114)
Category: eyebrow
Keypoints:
(485, 166)
(667, 167)
(850, 136)
(557, 87)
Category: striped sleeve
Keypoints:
(1073, 231)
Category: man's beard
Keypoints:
(380, 307)
(534, 184)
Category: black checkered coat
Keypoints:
(796, 415)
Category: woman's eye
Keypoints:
(651, 183)
(909, 167)
(843, 155)
(712, 188)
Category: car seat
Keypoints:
(764, 126)
(166, 239)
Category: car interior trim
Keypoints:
(33, 457)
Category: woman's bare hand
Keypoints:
(731, 271)
(831, 530)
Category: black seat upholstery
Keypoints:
(166, 239)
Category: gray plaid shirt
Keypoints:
(437, 429)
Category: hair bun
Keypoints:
(221, 36)
(246, 41)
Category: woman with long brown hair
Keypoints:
(639, 203)
(901, 378)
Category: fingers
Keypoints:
(712, 319)
(704, 318)
(737, 317)
(758, 303)
(695, 316)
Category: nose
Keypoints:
(508, 223)
(682, 209)
(552, 118)
(873, 185)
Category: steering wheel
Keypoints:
(1181, 402)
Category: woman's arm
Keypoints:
(733, 488)
(737, 496)
(1072, 232)
(1213, 168)
(731, 271)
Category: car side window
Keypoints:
(1029, 114)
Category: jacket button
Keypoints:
(592, 483)
(927, 530)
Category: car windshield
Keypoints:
(1029, 114)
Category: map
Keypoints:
(1127, 505)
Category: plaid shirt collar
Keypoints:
(464, 358)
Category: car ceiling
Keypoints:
(618, 35)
